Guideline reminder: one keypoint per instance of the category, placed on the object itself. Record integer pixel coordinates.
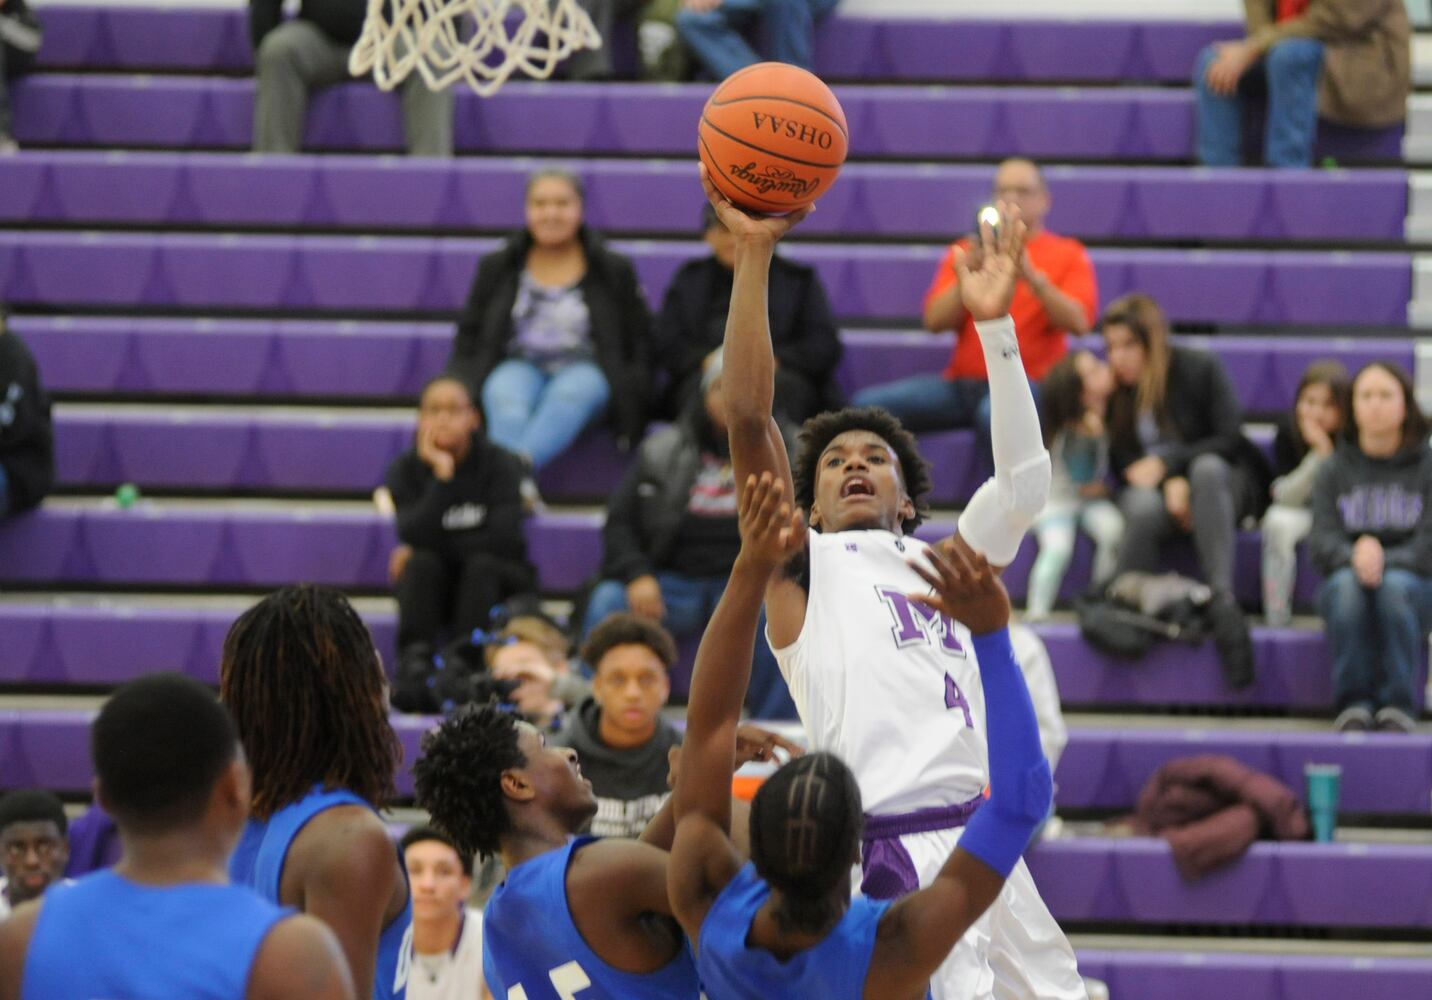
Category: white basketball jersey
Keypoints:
(886, 684)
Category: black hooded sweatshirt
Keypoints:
(27, 447)
(630, 785)
(1387, 498)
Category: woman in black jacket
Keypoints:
(1177, 446)
(555, 331)
(1372, 537)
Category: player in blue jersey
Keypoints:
(783, 925)
(575, 915)
(307, 690)
(164, 922)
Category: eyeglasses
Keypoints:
(45, 849)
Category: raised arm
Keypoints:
(994, 521)
(748, 360)
(917, 933)
(703, 859)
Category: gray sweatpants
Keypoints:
(297, 57)
(1220, 495)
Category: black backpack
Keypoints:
(1115, 627)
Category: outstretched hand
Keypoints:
(771, 532)
(963, 586)
(745, 226)
(987, 279)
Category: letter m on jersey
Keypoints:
(915, 623)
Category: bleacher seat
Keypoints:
(304, 274)
(661, 196)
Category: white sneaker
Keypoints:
(8, 145)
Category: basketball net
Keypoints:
(451, 40)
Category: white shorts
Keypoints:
(1016, 951)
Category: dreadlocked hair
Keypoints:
(805, 824)
(458, 777)
(819, 431)
(306, 688)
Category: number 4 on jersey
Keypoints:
(955, 698)
(567, 980)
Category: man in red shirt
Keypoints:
(1055, 296)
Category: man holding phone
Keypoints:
(1056, 295)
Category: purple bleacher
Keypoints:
(253, 546)
(877, 199)
(1317, 885)
(109, 643)
(224, 450)
(1124, 123)
(1381, 772)
(290, 450)
(279, 358)
(210, 40)
(70, 270)
(1195, 975)
(1292, 672)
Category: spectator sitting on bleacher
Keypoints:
(459, 517)
(1348, 60)
(555, 330)
(671, 538)
(712, 29)
(294, 57)
(27, 446)
(1303, 443)
(661, 56)
(618, 733)
(1177, 444)
(1075, 400)
(1372, 538)
(689, 331)
(33, 846)
(1056, 294)
(532, 652)
(20, 37)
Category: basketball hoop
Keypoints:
(480, 41)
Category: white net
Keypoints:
(481, 41)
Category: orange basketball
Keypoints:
(772, 137)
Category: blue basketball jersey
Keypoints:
(834, 969)
(531, 949)
(258, 862)
(105, 936)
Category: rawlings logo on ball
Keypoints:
(773, 178)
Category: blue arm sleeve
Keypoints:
(1021, 787)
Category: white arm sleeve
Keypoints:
(1002, 510)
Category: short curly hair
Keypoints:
(819, 431)
(626, 629)
(458, 778)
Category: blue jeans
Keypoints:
(4, 491)
(690, 602)
(1376, 635)
(1288, 75)
(788, 27)
(538, 414)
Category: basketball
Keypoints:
(773, 137)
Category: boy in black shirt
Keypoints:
(459, 518)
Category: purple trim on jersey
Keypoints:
(889, 870)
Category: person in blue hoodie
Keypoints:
(1372, 539)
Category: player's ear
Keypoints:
(515, 785)
(906, 508)
(813, 517)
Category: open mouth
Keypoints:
(857, 486)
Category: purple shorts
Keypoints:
(889, 872)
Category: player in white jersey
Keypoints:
(880, 680)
